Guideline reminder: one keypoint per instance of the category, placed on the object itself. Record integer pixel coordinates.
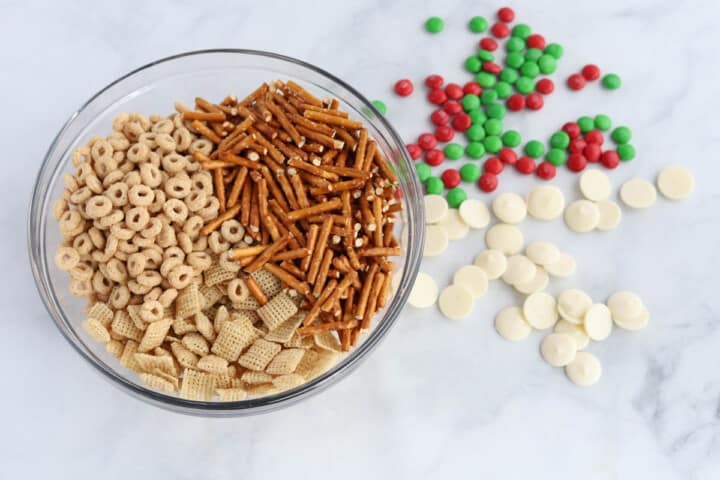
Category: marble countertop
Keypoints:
(438, 399)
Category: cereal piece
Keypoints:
(545, 202)
(327, 341)
(542, 253)
(638, 193)
(284, 332)
(582, 216)
(217, 274)
(268, 282)
(231, 394)
(123, 325)
(511, 324)
(610, 215)
(454, 225)
(237, 290)
(252, 377)
(558, 349)
(197, 385)
(474, 213)
(196, 343)
(155, 334)
(538, 283)
(204, 326)
(210, 294)
(540, 310)
(156, 382)
(185, 357)
(279, 309)
(114, 348)
(150, 363)
(213, 364)
(181, 326)
(564, 267)
(424, 292)
(572, 304)
(455, 302)
(473, 278)
(598, 322)
(675, 182)
(436, 240)
(67, 258)
(134, 312)
(595, 185)
(151, 311)
(509, 208)
(299, 341)
(187, 303)
(248, 304)
(493, 263)
(436, 208)
(127, 359)
(261, 390)
(221, 316)
(96, 329)
(286, 361)
(507, 239)
(519, 270)
(288, 382)
(259, 355)
(307, 363)
(584, 370)
(325, 361)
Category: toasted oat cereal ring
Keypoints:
(121, 232)
(96, 237)
(184, 242)
(138, 153)
(237, 290)
(80, 288)
(132, 178)
(101, 149)
(127, 247)
(152, 311)
(82, 271)
(202, 181)
(153, 257)
(67, 258)
(148, 138)
(217, 246)
(183, 138)
(165, 142)
(181, 276)
(166, 237)
(200, 243)
(141, 195)
(173, 252)
(59, 207)
(113, 177)
(149, 278)
(118, 194)
(201, 145)
(150, 175)
(94, 183)
(120, 120)
(163, 126)
(83, 244)
(167, 297)
(113, 218)
(116, 271)
(111, 245)
(153, 294)
(118, 142)
(136, 264)
(80, 195)
(211, 210)
(98, 206)
(176, 210)
(156, 206)
(137, 218)
(232, 231)
(71, 223)
(153, 229)
(195, 200)
(174, 163)
(178, 186)
(194, 224)
(227, 262)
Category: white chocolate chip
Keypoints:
(572, 304)
(638, 193)
(436, 240)
(537, 284)
(576, 331)
(545, 202)
(473, 278)
(519, 270)
(424, 292)
(584, 370)
(436, 207)
(564, 267)
(507, 239)
(543, 253)
(582, 216)
(595, 185)
(598, 322)
(540, 310)
(558, 349)
(454, 225)
(610, 215)
(474, 213)
(455, 302)
(509, 208)
(675, 182)
(511, 325)
(493, 262)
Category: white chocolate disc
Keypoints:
(638, 193)
(573, 304)
(584, 370)
(564, 267)
(509, 208)
(624, 305)
(455, 302)
(598, 322)
(436, 207)
(519, 270)
(542, 253)
(511, 324)
(675, 182)
(493, 262)
(610, 215)
(576, 331)
(545, 202)
(473, 278)
(436, 240)
(538, 283)
(582, 216)
(636, 323)
(540, 310)
(558, 349)
(474, 213)
(454, 225)
(424, 291)
(595, 185)
(506, 238)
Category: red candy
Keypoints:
(576, 81)
(414, 150)
(515, 102)
(576, 162)
(472, 88)
(545, 86)
(454, 91)
(452, 107)
(427, 141)
(508, 156)
(434, 81)
(437, 96)
(525, 165)
(444, 133)
(451, 178)
(536, 41)
(610, 159)
(440, 117)
(534, 101)
(577, 145)
(488, 44)
(404, 87)
(546, 171)
(434, 157)
(461, 122)
(488, 182)
(506, 14)
(500, 30)
(591, 72)
(572, 129)
(594, 136)
(592, 152)
(493, 68)
(493, 165)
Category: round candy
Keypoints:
(537, 284)
(427, 141)
(461, 122)
(451, 179)
(504, 90)
(414, 150)
(380, 106)
(592, 152)
(453, 151)
(488, 44)
(454, 225)
(489, 97)
(626, 152)
(511, 138)
(675, 182)
(577, 145)
(590, 72)
(547, 64)
(488, 182)
(509, 208)
(546, 171)
(545, 86)
(554, 50)
(477, 117)
(436, 240)
(511, 325)
(515, 44)
(436, 207)
(540, 310)
(519, 270)
(598, 322)
(521, 31)
(536, 41)
(582, 216)
(572, 129)
(611, 81)
(434, 157)
(472, 88)
(525, 165)
(564, 267)
(638, 193)
(485, 79)
(496, 110)
(492, 143)
(423, 171)
(434, 185)
(603, 122)
(485, 55)
(610, 215)
(534, 149)
(572, 304)
(454, 91)
(584, 370)
(456, 196)
(508, 155)
(434, 81)
(493, 263)
(469, 172)
(473, 64)
(475, 133)
(560, 140)
(509, 75)
(500, 30)
(434, 24)
(470, 102)
(475, 150)
(424, 291)
(507, 239)
(556, 157)
(595, 137)
(595, 185)
(545, 202)
(576, 162)
(577, 332)
(474, 213)
(558, 349)
(576, 81)
(437, 96)
(452, 107)
(506, 14)
(543, 253)
(621, 135)
(525, 85)
(478, 24)
(610, 159)
(473, 278)
(530, 69)
(515, 102)
(439, 117)
(534, 101)
(492, 67)
(493, 165)
(444, 133)
(586, 124)
(404, 87)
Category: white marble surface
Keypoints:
(438, 399)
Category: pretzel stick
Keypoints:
(204, 116)
(316, 108)
(293, 270)
(282, 216)
(246, 142)
(338, 186)
(260, 138)
(321, 138)
(285, 148)
(219, 188)
(302, 93)
(344, 284)
(214, 165)
(240, 177)
(203, 104)
(285, 123)
(263, 258)
(313, 169)
(240, 161)
(274, 189)
(315, 310)
(367, 163)
(385, 168)
(291, 255)
(377, 213)
(245, 261)
(298, 188)
(311, 243)
(380, 252)
(214, 224)
(241, 252)
(203, 130)
(332, 119)
(287, 190)
(325, 327)
(372, 302)
(384, 292)
(301, 121)
(322, 274)
(245, 202)
(284, 104)
(362, 303)
(255, 290)
(258, 92)
(349, 140)
(361, 148)
(348, 172)
(299, 286)
(315, 209)
(319, 250)
(342, 264)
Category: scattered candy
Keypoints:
(434, 186)
(493, 165)
(478, 24)
(500, 30)
(675, 182)
(534, 101)
(546, 171)
(434, 81)
(536, 41)
(506, 14)
(470, 172)
(545, 86)
(610, 159)
(440, 117)
(576, 81)
(434, 24)
(427, 141)
(525, 165)
(380, 106)
(488, 182)
(453, 151)
(444, 133)
(611, 81)
(434, 157)
(437, 96)
(456, 196)
(453, 91)
(451, 178)
(423, 171)
(404, 87)
(452, 107)
(488, 44)
(414, 150)
(590, 72)
(534, 149)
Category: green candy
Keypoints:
(485, 55)
(533, 54)
(556, 156)
(493, 126)
(456, 196)
(488, 97)
(611, 81)
(434, 24)
(515, 44)
(475, 133)
(503, 89)
(478, 24)
(547, 64)
(521, 31)
(603, 122)
(525, 85)
(493, 143)
(380, 106)
(586, 124)
(470, 102)
(496, 110)
(434, 186)
(475, 150)
(530, 69)
(469, 172)
(560, 140)
(511, 138)
(477, 117)
(473, 64)
(621, 135)
(423, 171)
(626, 152)
(509, 75)
(453, 151)
(554, 50)
(514, 60)
(534, 149)
(485, 79)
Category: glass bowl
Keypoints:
(152, 89)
